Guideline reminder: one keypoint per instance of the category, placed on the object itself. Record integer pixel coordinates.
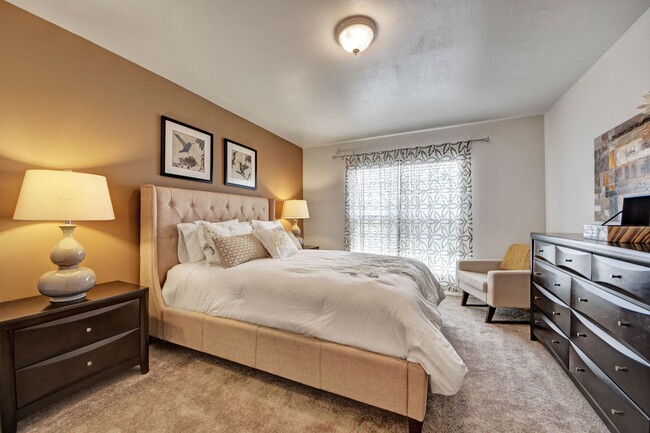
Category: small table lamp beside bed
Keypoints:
(379, 344)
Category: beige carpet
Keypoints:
(513, 386)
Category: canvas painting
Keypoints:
(240, 165)
(622, 165)
(186, 151)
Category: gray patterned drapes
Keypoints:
(413, 202)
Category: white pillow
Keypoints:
(189, 248)
(210, 230)
(266, 225)
(277, 242)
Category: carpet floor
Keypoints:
(513, 386)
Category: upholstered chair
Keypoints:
(498, 283)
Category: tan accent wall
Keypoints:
(66, 103)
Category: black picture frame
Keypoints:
(239, 165)
(184, 147)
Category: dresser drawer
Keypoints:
(628, 278)
(553, 308)
(544, 251)
(553, 280)
(623, 367)
(552, 338)
(46, 377)
(614, 406)
(49, 339)
(577, 261)
(622, 319)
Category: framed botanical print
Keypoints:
(186, 151)
(240, 165)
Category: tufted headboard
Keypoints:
(161, 208)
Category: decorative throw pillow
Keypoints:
(277, 242)
(189, 247)
(265, 225)
(206, 242)
(235, 250)
(517, 258)
(295, 240)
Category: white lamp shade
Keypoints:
(64, 196)
(295, 209)
(355, 34)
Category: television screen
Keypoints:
(636, 211)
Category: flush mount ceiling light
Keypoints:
(356, 33)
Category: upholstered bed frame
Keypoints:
(389, 383)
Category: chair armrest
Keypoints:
(478, 265)
(509, 289)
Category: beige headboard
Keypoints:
(161, 208)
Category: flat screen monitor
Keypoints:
(636, 211)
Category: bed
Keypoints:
(385, 381)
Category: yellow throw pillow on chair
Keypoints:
(517, 258)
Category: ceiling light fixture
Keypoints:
(355, 34)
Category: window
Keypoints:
(412, 203)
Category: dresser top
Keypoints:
(639, 253)
(98, 296)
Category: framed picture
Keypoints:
(186, 151)
(240, 165)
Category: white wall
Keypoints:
(507, 180)
(604, 97)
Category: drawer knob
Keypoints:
(623, 323)
(89, 363)
(568, 260)
(538, 298)
(89, 329)
(583, 299)
(537, 322)
(540, 251)
(555, 341)
(555, 313)
(557, 284)
(581, 370)
(580, 334)
(619, 276)
(539, 274)
(617, 412)
(617, 368)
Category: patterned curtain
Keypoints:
(414, 202)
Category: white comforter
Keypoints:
(378, 303)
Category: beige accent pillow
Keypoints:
(277, 242)
(207, 231)
(295, 240)
(235, 250)
(517, 258)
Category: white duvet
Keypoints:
(377, 303)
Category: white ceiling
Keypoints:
(433, 63)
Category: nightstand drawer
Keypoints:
(39, 380)
(39, 342)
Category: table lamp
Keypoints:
(65, 195)
(295, 210)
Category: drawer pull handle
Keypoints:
(568, 260)
(617, 368)
(537, 322)
(539, 274)
(89, 363)
(555, 313)
(617, 412)
(583, 300)
(581, 370)
(580, 334)
(538, 298)
(89, 329)
(622, 323)
(540, 251)
(619, 276)
(557, 285)
(555, 341)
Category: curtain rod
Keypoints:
(486, 139)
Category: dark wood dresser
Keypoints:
(591, 310)
(48, 351)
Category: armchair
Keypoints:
(488, 281)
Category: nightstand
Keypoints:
(48, 351)
(310, 247)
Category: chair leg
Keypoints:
(490, 313)
(415, 426)
(464, 297)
